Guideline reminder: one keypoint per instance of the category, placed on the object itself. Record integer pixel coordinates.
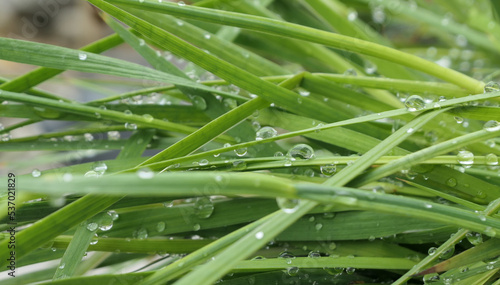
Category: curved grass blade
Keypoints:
(284, 29)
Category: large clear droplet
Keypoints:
(36, 173)
(113, 135)
(491, 159)
(99, 167)
(240, 151)
(199, 103)
(491, 87)
(492, 126)
(288, 205)
(266, 133)
(329, 169)
(145, 173)
(82, 56)
(465, 158)
(92, 226)
(203, 208)
(301, 151)
(414, 103)
(141, 233)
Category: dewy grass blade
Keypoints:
(64, 58)
(241, 78)
(285, 29)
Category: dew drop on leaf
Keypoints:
(465, 158)
(415, 103)
(491, 126)
(301, 151)
(145, 173)
(288, 205)
(36, 173)
(491, 87)
(266, 133)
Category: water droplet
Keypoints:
(241, 151)
(314, 254)
(141, 233)
(292, 271)
(304, 92)
(145, 173)
(127, 113)
(352, 16)
(203, 162)
(181, 3)
(491, 159)
(452, 182)
(196, 227)
(113, 135)
(278, 154)
(465, 158)
(350, 72)
(301, 151)
(318, 226)
(428, 206)
(491, 87)
(350, 270)
(92, 226)
(489, 231)
(239, 165)
(414, 103)
(432, 251)
(105, 222)
(36, 173)
(288, 205)
(288, 162)
(148, 117)
(203, 207)
(266, 133)
(259, 235)
(199, 103)
(492, 126)
(82, 56)
(160, 227)
(447, 253)
(474, 238)
(94, 240)
(207, 36)
(99, 167)
(62, 265)
(114, 215)
(130, 126)
(459, 120)
(91, 173)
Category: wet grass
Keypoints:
(268, 142)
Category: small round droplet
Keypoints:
(207, 36)
(301, 151)
(350, 270)
(414, 103)
(492, 126)
(474, 238)
(130, 126)
(491, 159)
(292, 271)
(203, 162)
(114, 215)
(491, 87)
(145, 173)
(92, 227)
(82, 56)
(259, 235)
(328, 169)
(288, 205)
(36, 173)
(199, 103)
(203, 208)
(91, 173)
(314, 254)
(160, 227)
(196, 227)
(352, 16)
(148, 117)
(266, 133)
(99, 167)
(113, 135)
(432, 251)
(141, 233)
(452, 182)
(240, 151)
(180, 3)
(465, 158)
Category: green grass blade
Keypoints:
(308, 34)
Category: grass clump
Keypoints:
(301, 142)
